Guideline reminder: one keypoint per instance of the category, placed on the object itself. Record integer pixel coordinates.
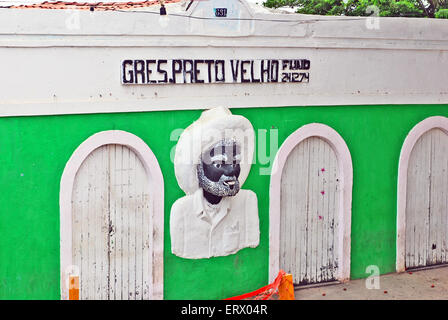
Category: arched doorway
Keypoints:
(310, 206)
(112, 219)
(422, 216)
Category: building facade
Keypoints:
(350, 161)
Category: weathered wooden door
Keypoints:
(309, 212)
(111, 207)
(427, 201)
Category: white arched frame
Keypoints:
(154, 174)
(419, 129)
(345, 168)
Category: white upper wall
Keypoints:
(69, 61)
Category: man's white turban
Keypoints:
(213, 126)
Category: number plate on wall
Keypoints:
(220, 12)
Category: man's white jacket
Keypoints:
(195, 235)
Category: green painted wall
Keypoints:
(34, 150)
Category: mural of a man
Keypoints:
(212, 160)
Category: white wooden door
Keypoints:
(309, 213)
(111, 235)
(427, 201)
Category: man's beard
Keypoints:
(219, 188)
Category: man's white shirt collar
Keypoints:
(199, 211)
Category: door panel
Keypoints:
(309, 212)
(427, 201)
(111, 222)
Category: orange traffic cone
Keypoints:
(286, 288)
(73, 290)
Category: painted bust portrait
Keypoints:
(212, 160)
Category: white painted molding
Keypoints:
(406, 150)
(345, 168)
(156, 185)
(265, 25)
(391, 56)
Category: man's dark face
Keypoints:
(221, 168)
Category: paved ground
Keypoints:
(430, 284)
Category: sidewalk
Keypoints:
(430, 284)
